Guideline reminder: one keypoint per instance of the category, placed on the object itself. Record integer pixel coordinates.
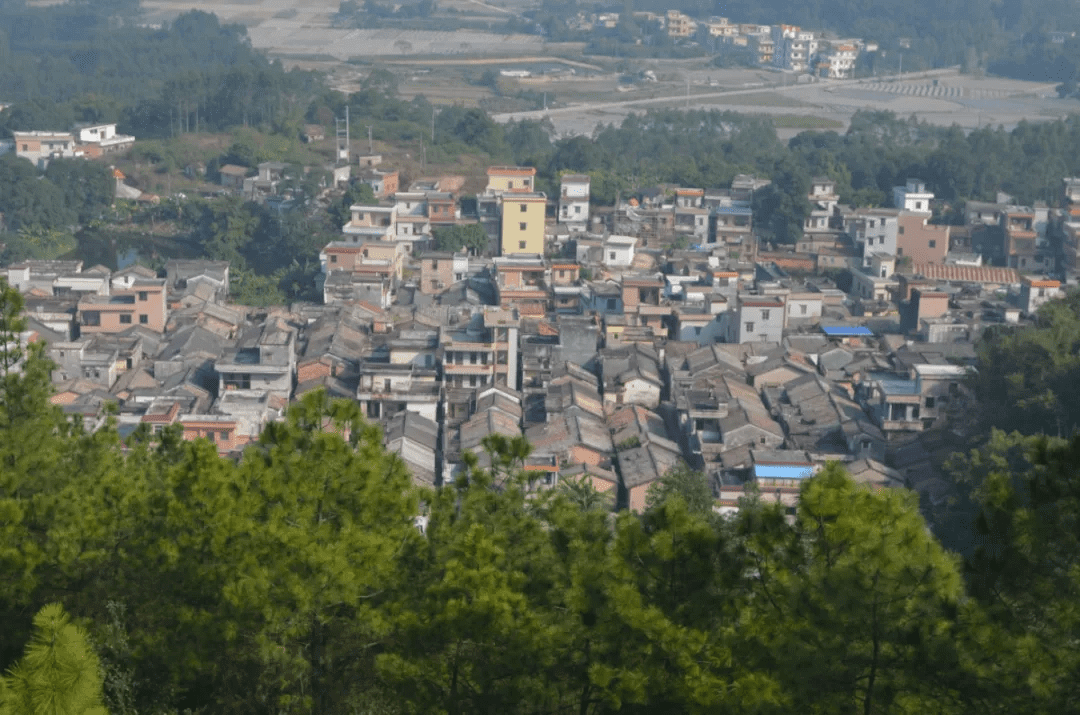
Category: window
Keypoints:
(899, 251)
(562, 274)
(237, 381)
(143, 295)
(522, 226)
(611, 256)
(933, 243)
(611, 304)
(918, 205)
(523, 207)
(143, 318)
(929, 402)
(764, 315)
(224, 436)
(125, 318)
(521, 244)
(749, 327)
(900, 230)
(802, 307)
(333, 259)
(577, 209)
(91, 317)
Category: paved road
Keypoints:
(697, 97)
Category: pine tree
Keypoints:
(59, 673)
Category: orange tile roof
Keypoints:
(965, 274)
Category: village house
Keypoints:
(573, 209)
(135, 298)
(42, 147)
(439, 270)
(920, 241)
(263, 359)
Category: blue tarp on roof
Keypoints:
(778, 471)
(733, 211)
(846, 331)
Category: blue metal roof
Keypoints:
(777, 471)
(846, 331)
(733, 210)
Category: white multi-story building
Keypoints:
(913, 196)
(873, 231)
(754, 319)
(102, 139)
(574, 201)
(839, 61)
(793, 47)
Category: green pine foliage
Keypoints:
(58, 675)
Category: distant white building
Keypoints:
(97, 139)
(755, 319)
(619, 251)
(873, 231)
(913, 196)
(574, 201)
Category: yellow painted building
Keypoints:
(523, 223)
(510, 178)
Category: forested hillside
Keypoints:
(91, 62)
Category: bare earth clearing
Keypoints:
(439, 65)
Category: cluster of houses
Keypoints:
(618, 355)
(784, 47)
(83, 141)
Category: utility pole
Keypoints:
(688, 91)
(433, 124)
(370, 146)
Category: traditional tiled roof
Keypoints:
(965, 274)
